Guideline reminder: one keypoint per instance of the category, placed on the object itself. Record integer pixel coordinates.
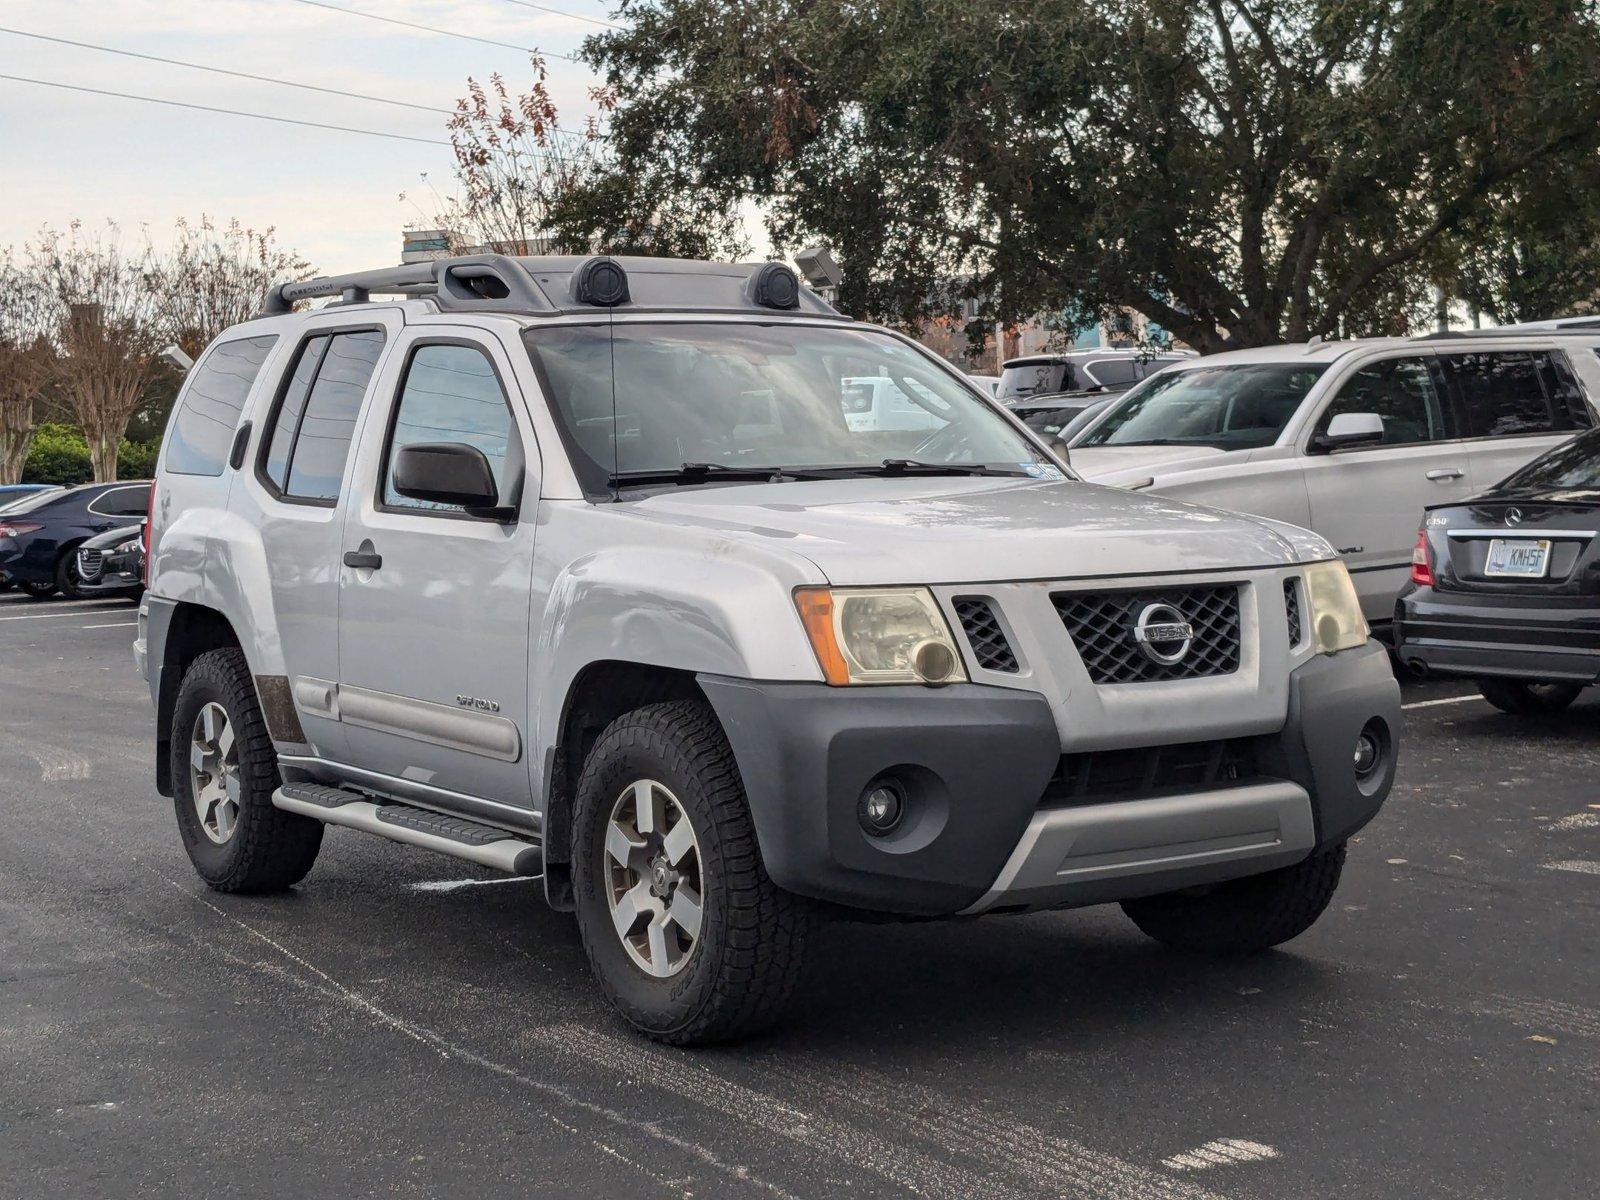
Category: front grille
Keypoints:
(1102, 627)
(89, 563)
(989, 645)
(1105, 775)
(1291, 609)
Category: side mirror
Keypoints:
(1059, 447)
(1350, 429)
(446, 473)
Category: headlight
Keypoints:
(879, 635)
(1336, 620)
(127, 547)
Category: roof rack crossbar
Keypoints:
(479, 281)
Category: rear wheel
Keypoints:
(689, 938)
(1524, 698)
(1243, 915)
(224, 771)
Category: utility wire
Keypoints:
(175, 62)
(229, 112)
(470, 37)
(561, 12)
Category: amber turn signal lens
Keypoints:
(816, 614)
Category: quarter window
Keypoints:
(316, 416)
(450, 394)
(1503, 394)
(1401, 391)
(203, 429)
(122, 502)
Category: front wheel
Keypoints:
(69, 581)
(689, 938)
(37, 591)
(1242, 915)
(224, 771)
(1523, 698)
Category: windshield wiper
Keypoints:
(698, 472)
(912, 466)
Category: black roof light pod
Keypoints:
(600, 281)
(775, 286)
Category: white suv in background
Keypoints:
(1351, 439)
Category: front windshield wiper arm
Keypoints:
(912, 466)
(705, 472)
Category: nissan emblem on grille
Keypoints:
(1162, 634)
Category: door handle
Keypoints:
(1444, 474)
(364, 559)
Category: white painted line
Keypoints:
(1221, 1152)
(1583, 820)
(1446, 700)
(1577, 865)
(450, 885)
(45, 616)
(114, 625)
(93, 602)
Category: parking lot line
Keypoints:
(1577, 865)
(113, 625)
(1446, 700)
(82, 612)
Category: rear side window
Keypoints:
(1503, 394)
(1113, 372)
(451, 394)
(122, 502)
(316, 416)
(203, 429)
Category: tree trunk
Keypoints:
(103, 447)
(16, 435)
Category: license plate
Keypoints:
(1524, 557)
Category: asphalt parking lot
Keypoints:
(403, 1024)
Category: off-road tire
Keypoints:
(269, 849)
(747, 962)
(1525, 698)
(1242, 916)
(68, 582)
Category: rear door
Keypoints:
(1515, 405)
(1368, 500)
(433, 635)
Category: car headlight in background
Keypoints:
(879, 635)
(1336, 620)
(128, 547)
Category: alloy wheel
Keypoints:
(653, 878)
(214, 772)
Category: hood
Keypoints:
(1120, 465)
(975, 529)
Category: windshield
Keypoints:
(15, 507)
(1229, 407)
(1571, 467)
(637, 398)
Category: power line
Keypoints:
(470, 37)
(175, 62)
(561, 12)
(228, 112)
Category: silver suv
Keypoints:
(576, 568)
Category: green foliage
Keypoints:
(60, 454)
(1239, 171)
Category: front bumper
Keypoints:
(1543, 638)
(976, 762)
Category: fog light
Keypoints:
(880, 809)
(1368, 752)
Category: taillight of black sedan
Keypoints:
(1505, 587)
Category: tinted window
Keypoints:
(203, 429)
(1034, 378)
(1502, 394)
(1571, 467)
(450, 395)
(1113, 372)
(316, 418)
(1401, 391)
(1566, 391)
(1231, 408)
(123, 502)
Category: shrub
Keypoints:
(59, 454)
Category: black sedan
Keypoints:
(1505, 587)
(112, 564)
(39, 537)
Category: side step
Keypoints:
(455, 836)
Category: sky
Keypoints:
(335, 197)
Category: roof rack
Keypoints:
(555, 284)
(1589, 327)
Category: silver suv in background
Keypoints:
(577, 568)
(1350, 439)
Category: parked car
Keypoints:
(1505, 586)
(878, 404)
(987, 384)
(112, 563)
(13, 493)
(1052, 415)
(1104, 371)
(1351, 439)
(40, 535)
(505, 571)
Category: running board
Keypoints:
(458, 837)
